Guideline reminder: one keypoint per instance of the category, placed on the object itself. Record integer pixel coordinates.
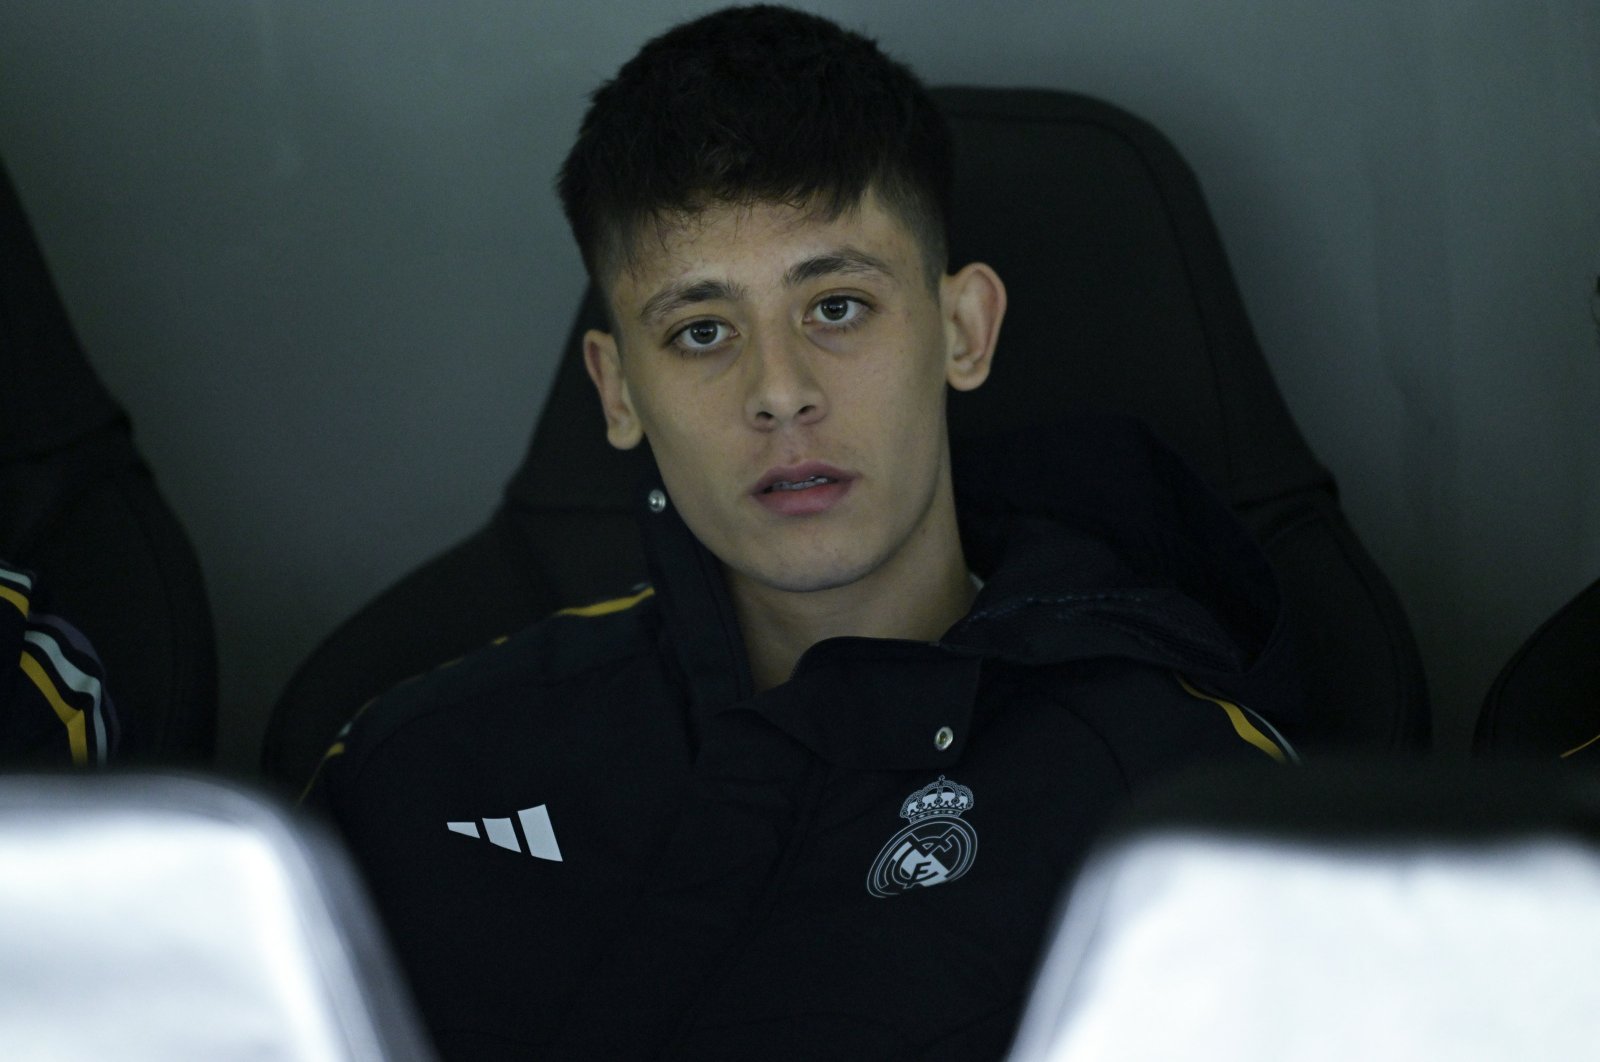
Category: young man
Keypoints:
(738, 813)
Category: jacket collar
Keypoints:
(1114, 550)
(856, 702)
(1098, 540)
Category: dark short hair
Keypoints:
(750, 105)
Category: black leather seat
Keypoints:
(1121, 299)
(1545, 703)
(79, 507)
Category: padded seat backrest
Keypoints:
(1545, 703)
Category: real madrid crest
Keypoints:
(937, 847)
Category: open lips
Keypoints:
(802, 490)
(812, 481)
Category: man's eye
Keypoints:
(700, 335)
(839, 309)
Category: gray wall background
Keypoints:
(313, 249)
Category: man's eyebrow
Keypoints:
(845, 260)
(671, 299)
(842, 260)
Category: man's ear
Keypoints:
(601, 358)
(974, 302)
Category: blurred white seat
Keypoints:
(1452, 929)
(158, 917)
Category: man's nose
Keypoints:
(783, 387)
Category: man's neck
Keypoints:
(916, 595)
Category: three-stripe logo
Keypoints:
(535, 831)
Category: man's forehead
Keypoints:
(764, 241)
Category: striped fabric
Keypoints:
(54, 707)
(1253, 729)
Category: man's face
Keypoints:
(789, 372)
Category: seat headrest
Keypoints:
(49, 394)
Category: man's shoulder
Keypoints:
(54, 705)
(1154, 720)
(542, 669)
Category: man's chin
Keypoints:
(806, 578)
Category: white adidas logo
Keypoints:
(536, 831)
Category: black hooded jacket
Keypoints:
(596, 840)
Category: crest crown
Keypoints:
(937, 798)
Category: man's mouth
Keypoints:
(804, 489)
(799, 484)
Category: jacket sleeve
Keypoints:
(55, 707)
(1158, 722)
(326, 793)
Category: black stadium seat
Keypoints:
(1545, 703)
(80, 509)
(1121, 299)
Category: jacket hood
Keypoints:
(1096, 540)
